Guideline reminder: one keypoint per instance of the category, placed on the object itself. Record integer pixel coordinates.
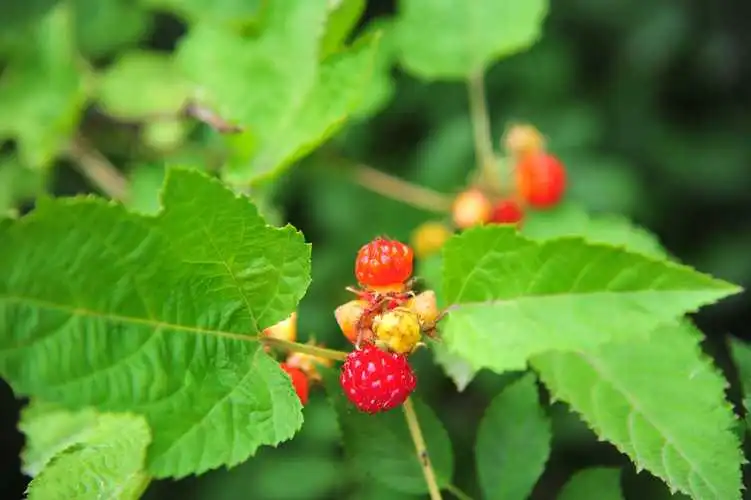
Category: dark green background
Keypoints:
(647, 103)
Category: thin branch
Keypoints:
(98, 169)
(401, 190)
(454, 490)
(212, 119)
(481, 128)
(321, 352)
(421, 449)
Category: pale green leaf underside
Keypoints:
(597, 483)
(100, 307)
(107, 461)
(660, 401)
(513, 298)
(513, 442)
(380, 446)
(450, 39)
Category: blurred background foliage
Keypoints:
(647, 103)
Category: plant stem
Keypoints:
(321, 352)
(98, 169)
(421, 449)
(401, 190)
(454, 490)
(481, 129)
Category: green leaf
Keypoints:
(234, 13)
(42, 92)
(381, 87)
(104, 26)
(341, 21)
(661, 402)
(381, 448)
(597, 483)
(513, 442)
(18, 184)
(142, 84)
(49, 430)
(105, 461)
(17, 14)
(741, 353)
(569, 219)
(157, 315)
(513, 298)
(455, 367)
(451, 39)
(145, 185)
(273, 84)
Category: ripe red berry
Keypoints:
(507, 211)
(376, 381)
(299, 381)
(383, 262)
(541, 179)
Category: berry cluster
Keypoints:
(536, 180)
(301, 367)
(385, 323)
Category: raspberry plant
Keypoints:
(160, 340)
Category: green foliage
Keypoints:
(452, 39)
(650, 398)
(84, 454)
(156, 315)
(512, 298)
(380, 446)
(513, 442)
(295, 102)
(597, 483)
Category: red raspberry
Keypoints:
(376, 381)
(541, 179)
(383, 262)
(507, 211)
(299, 381)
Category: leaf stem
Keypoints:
(481, 129)
(454, 490)
(421, 449)
(401, 190)
(98, 169)
(321, 352)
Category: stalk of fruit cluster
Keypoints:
(305, 348)
(486, 163)
(422, 451)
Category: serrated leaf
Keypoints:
(741, 353)
(569, 219)
(513, 298)
(105, 462)
(513, 442)
(342, 19)
(142, 84)
(455, 367)
(381, 448)
(273, 84)
(49, 430)
(101, 307)
(597, 483)
(450, 39)
(42, 92)
(661, 402)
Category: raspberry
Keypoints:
(541, 180)
(471, 208)
(383, 263)
(428, 238)
(348, 315)
(507, 211)
(425, 307)
(284, 330)
(308, 363)
(522, 140)
(299, 381)
(398, 330)
(376, 381)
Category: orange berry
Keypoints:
(471, 208)
(299, 382)
(348, 315)
(523, 139)
(309, 364)
(425, 306)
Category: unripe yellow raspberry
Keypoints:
(348, 315)
(425, 307)
(284, 330)
(523, 139)
(471, 208)
(398, 330)
(429, 238)
(309, 363)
